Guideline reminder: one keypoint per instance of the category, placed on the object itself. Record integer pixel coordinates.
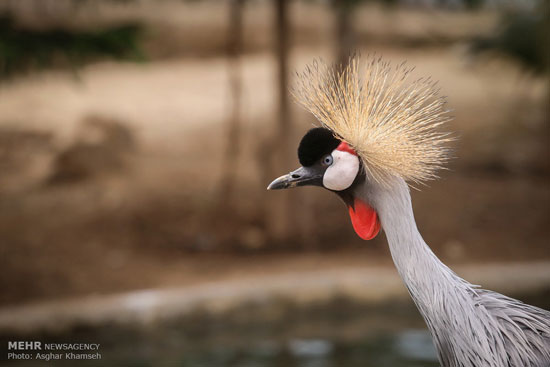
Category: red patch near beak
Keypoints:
(364, 219)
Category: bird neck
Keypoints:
(426, 277)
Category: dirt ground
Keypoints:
(108, 180)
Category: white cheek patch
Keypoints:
(341, 174)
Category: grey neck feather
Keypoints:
(417, 265)
(465, 328)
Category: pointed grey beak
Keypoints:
(301, 177)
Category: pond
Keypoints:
(279, 333)
(341, 333)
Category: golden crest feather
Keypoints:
(392, 124)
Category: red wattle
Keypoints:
(364, 219)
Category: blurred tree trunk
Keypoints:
(231, 156)
(345, 41)
(284, 126)
(545, 9)
(280, 214)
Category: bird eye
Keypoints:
(327, 160)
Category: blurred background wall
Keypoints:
(137, 137)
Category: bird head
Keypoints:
(375, 127)
(331, 163)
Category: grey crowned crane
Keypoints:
(378, 132)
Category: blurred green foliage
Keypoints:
(25, 49)
(522, 36)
